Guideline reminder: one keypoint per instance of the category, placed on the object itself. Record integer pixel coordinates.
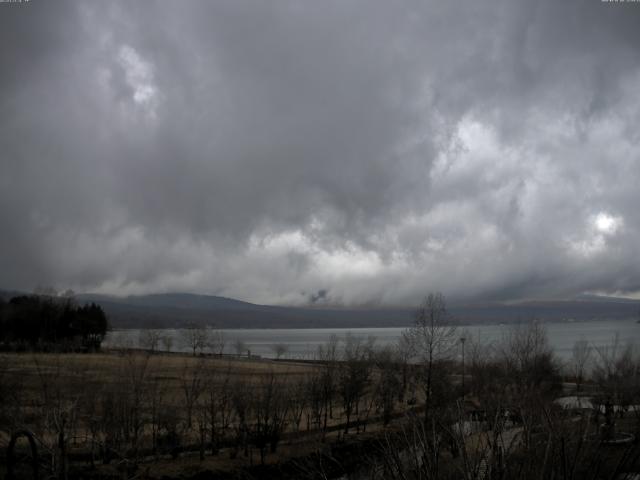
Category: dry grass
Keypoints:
(83, 380)
(31, 371)
(27, 378)
(99, 364)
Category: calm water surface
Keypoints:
(303, 342)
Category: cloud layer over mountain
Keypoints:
(338, 152)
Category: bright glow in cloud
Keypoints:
(607, 224)
(598, 231)
(139, 76)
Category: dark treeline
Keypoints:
(43, 322)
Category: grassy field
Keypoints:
(131, 403)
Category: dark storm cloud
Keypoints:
(370, 151)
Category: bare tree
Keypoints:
(616, 372)
(298, 400)
(279, 349)
(482, 368)
(314, 395)
(157, 403)
(388, 383)
(136, 372)
(12, 402)
(216, 341)
(149, 339)
(217, 407)
(528, 356)
(328, 356)
(432, 337)
(242, 404)
(240, 347)
(580, 358)
(270, 408)
(192, 383)
(531, 374)
(195, 337)
(60, 393)
(403, 354)
(167, 342)
(353, 376)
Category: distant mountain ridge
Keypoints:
(173, 300)
(178, 309)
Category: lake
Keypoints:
(303, 342)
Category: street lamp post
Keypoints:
(462, 340)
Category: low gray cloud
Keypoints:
(365, 151)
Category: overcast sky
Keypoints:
(337, 152)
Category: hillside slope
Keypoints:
(179, 309)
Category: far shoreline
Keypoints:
(408, 325)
